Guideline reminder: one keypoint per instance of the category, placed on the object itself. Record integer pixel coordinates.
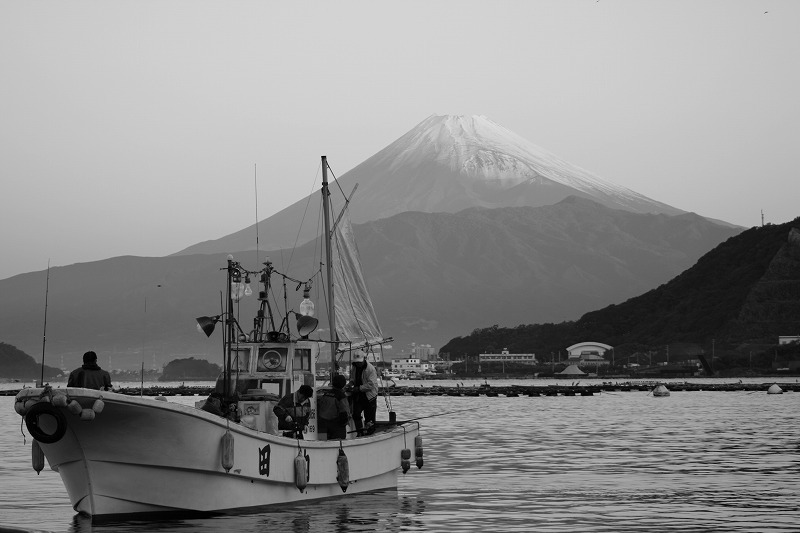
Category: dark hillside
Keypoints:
(703, 302)
(745, 293)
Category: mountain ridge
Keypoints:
(432, 276)
(445, 163)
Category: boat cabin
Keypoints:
(263, 373)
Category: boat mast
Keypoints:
(329, 261)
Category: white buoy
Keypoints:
(87, 415)
(98, 406)
(227, 451)
(74, 407)
(300, 472)
(60, 400)
(774, 389)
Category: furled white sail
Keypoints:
(356, 322)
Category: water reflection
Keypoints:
(696, 461)
(380, 511)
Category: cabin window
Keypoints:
(272, 359)
(302, 359)
(273, 386)
(241, 359)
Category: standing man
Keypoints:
(364, 381)
(90, 375)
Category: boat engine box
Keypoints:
(258, 415)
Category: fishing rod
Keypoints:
(44, 334)
(441, 414)
(429, 416)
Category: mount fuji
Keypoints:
(446, 164)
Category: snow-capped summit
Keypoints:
(447, 163)
(472, 161)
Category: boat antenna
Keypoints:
(328, 261)
(255, 186)
(44, 333)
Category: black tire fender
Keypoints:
(33, 421)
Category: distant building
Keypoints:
(587, 354)
(423, 351)
(788, 339)
(506, 357)
(404, 366)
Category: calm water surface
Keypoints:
(625, 461)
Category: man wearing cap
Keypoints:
(364, 383)
(293, 411)
(90, 375)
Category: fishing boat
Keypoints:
(125, 455)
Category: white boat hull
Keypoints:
(141, 455)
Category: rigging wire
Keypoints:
(255, 186)
(44, 333)
(305, 211)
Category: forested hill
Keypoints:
(741, 295)
(16, 364)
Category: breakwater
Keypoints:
(492, 390)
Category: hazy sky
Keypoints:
(133, 128)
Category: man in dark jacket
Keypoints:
(293, 411)
(333, 410)
(90, 375)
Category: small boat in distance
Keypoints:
(126, 455)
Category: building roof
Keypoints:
(572, 370)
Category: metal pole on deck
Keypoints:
(329, 261)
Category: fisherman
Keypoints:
(293, 411)
(364, 384)
(333, 410)
(90, 375)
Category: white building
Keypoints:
(788, 339)
(423, 351)
(404, 366)
(505, 357)
(587, 354)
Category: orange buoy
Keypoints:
(405, 459)
(227, 451)
(19, 407)
(300, 471)
(87, 415)
(342, 470)
(418, 450)
(29, 404)
(37, 457)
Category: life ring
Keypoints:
(46, 411)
